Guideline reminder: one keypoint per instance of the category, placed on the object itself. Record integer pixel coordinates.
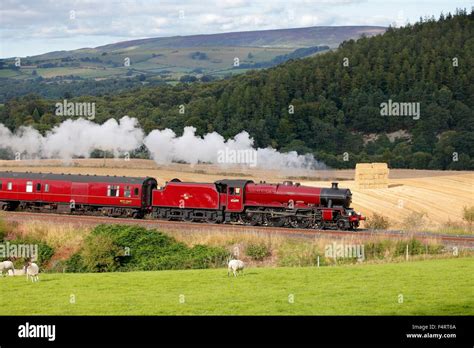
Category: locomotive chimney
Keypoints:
(334, 186)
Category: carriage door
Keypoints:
(37, 187)
(235, 198)
(79, 194)
(147, 190)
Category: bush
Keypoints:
(75, 264)
(45, 253)
(415, 221)
(6, 228)
(257, 251)
(3, 229)
(377, 250)
(127, 248)
(468, 214)
(300, 254)
(377, 222)
(435, 249)
(415, 247)
(101, 254)
(57, 266)
(202, 256)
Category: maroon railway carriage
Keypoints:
(287, 204)
(107, 195)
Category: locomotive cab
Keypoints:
(234, 190)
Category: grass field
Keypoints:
(176, 60)
(435, 287)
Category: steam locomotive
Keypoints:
(286, 204)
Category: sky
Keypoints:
(31, 27)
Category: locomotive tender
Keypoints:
(225, 201)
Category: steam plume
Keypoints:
(79, 137)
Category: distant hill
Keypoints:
(289, 38)
(168, 59)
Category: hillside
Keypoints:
(336, 105)
(292, 38)
(167, 59)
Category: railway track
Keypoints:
(464, 241)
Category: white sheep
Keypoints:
(32, 270)
(235, 266)
(16, 272)
(6, 266)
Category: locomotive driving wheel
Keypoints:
(276, 221)
(253, 219)
(299, 222)
(341, 224)
(211, 219)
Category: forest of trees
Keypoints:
(53, 88)
(327, 104)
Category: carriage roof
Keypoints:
(75, 177)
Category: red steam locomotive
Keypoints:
(225, 201)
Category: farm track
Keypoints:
(359, 235)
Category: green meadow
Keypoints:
(431, 287)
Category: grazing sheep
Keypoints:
(16, 272)
(235, 266)
(6, 266)
(32, 270)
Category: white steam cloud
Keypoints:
(79, 137)
(74, 138)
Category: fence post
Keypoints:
(407, 253)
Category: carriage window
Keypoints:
(0, 185)
(113, 191)
(38, 187)
(127, 192)
(10, 186)
(29, 186)
(136, 191)
(237, 190)
(231, 191)
(46, 187)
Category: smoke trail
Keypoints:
(74, 138)
(79, 137)
(165, 147)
